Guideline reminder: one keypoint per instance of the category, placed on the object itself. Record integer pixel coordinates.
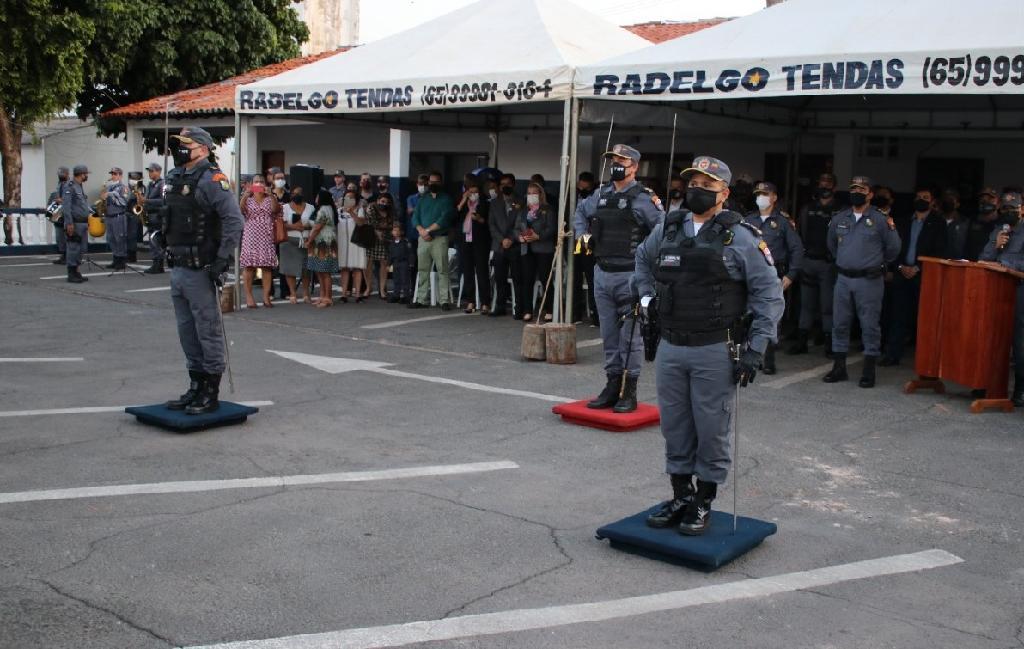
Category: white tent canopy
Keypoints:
(491, 53)
(826, 47)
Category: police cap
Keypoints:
(194, 134)
(765, 187)
(860, 182)
(80, 169)
(116, 170)
(1010, 199)
(625, 151)
(989, 191)
(709, 166)
(154, 166)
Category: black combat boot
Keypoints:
(610, 395)
(671, 511)
(80, 276)
(867, 377)
(768, 363)
(838, 372)
(1018, 390)
(194, 387)
(60, 261)
(697, 515)
(156, 268)
(828, 346)
(206, 401)
(799, 346)
(627, 403)
(112, 265)
(73, 276)
(133, 257)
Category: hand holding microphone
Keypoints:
(1003, 237)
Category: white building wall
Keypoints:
(33, 171)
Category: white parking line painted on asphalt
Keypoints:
(40, 263)
(399, 323)
(819, 371)
(334, 365)
(486, 624)
(254, 483)
(109, 272)
(92, 410)
(41, 360)
(147, 290)
(589, 343)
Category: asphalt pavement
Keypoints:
(488, 539)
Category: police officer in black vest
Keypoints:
(706, 268)
(200, 227)
(618, 217)
(817, 275)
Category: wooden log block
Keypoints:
(533, 347)
(227, 298)
(560, 343)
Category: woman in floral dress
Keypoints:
(323, 246)
(259, 209)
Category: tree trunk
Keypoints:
(10, 150)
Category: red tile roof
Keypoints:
(216, 98)
(659, 32)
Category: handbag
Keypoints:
(364, 236)
(280, 235)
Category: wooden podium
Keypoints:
(965, 328)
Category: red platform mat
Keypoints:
(577, 412)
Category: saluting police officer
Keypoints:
(707, 268)
(57, 195)
(76, 210)
(619, 216)
(783, 242)
(201, 226)
(1006, 246)
(116, 194)
(154, 200)
(817, 275)
(863, 242)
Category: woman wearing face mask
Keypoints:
(535, 233)
(381, 215)
(323, 247)
(474, 241)
(351, 258)
(297, 216)
(259, 209)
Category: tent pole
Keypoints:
(236, 173)
(563, 199)
(570, 284)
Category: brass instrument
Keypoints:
(139, 208)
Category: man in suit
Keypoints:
(921, 235)
(502, 222)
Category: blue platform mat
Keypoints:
(715, 548)
(158, 414)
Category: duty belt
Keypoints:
(183, 257)
(609, 266)
(824, 256)
(870, 273)
(80, 219)
(695, 339)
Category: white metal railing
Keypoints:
(30, 227)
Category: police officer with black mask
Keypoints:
(201, 225)
(1006, 246)
(817, 275)
(76, 209)
(583, 264)
(979, 230)
(56, 197)
(706, 268)
(154, 200)
(618, 218)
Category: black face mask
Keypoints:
(921, 205)
(506, 190)
(384, 206)
(948, 205)
(857, 199)
(618, 172)
(986, 208)
(675, 194)
(382, 187)
(1009, 216)
(434, 188)
(882, 202)
(822, 193)
(182, 155)
(700, 200)
(583, 193)
(298, 200)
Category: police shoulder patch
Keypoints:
(763, 247)
(222, 180)
(756, 231)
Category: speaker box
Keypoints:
(309, 177)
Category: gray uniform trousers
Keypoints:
(76, 249)
(817, 284)
(132, 227)
(863, 296)
(695, 396)
(117, 234)
(197, 310)
(613, 297)
(62, 239)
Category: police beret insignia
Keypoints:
(763, 247)
(704, 163)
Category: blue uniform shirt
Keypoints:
(1012, 255)
(862, 244)
(646, 212)
(783, 241)
(743, 260)
(213, 193)
(74, 203)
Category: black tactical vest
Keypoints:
(188, 230)
(695, 292)
(814, 229)
(617, 234)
